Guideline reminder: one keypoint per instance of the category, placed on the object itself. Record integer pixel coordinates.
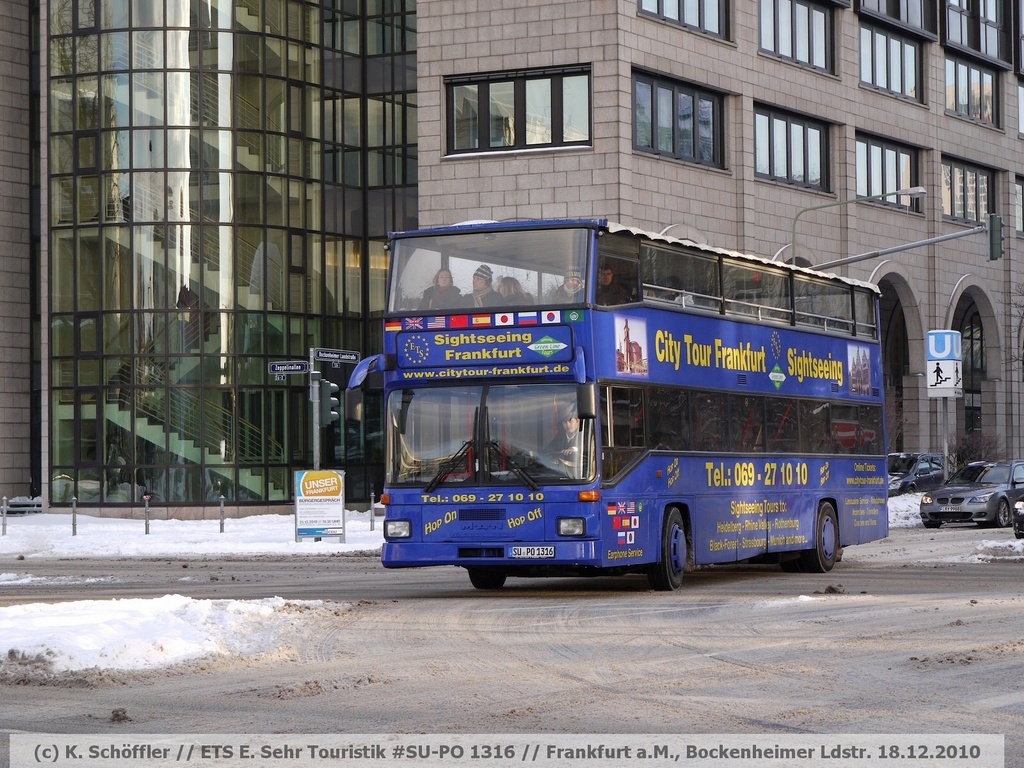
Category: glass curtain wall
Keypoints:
(189, 246)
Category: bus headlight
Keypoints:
(397, 529)
(571, 526)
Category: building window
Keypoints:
(705, 15)
(797, 30)
(519, 110)
(967, 191)
(979, 25)
(886, 167)
(790, 148)
(1018, 206)
(890, 62)
(972, 334)
(1020, 109)
(678, 120)
(971, 91)
(915, 14)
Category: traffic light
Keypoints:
(329, 402)
(995, 236)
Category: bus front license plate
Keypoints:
(532, 552)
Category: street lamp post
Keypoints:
(913, 192)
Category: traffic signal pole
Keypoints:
(916, 244)
(314, 386)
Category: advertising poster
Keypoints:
(319, 503)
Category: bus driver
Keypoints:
(565, 448)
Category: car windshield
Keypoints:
(901, 465)
(992, 474)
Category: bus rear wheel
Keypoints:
(822, 557)
(667, 574)
(486, 578)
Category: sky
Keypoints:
(147, 633)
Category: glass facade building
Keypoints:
(221, 178)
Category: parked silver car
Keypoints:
(983, 492)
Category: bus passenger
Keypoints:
(570, 291)
(513, 292)
(443, 293)
(483, 294)
(609, 290)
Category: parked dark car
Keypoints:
(983, 492)
(1018, 519)
(913, 472)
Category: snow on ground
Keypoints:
(149, 633)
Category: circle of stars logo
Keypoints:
(776, 344)
(417, 348)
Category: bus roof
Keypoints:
(613, 227)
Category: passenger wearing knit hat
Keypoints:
(571, 289)
(483, 294)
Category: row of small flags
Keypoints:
(625, 521)
(547, 317)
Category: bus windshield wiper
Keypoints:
(447, 467)
(516, 467)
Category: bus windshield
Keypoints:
(488, 435)
(463, 270)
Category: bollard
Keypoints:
(5, 518)
(145, 498)
(74, 515)
(373, 512)
(222, 513)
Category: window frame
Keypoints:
(892, 179)
(1018, 206)
(519, 81)
(679, 89)
(773, 117)
(917, 94)
(963, 85)
(662, 10)
(949, 168)
(786, 44)
(970, 26)
(895, 14)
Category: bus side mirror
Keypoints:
(586, 400)
(353, 404)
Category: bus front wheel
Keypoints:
(822, 557)
(486, 578)
(667, 574)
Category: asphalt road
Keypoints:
(896, 639)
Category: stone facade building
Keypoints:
(194, 190)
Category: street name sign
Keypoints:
(289, 366)
(336, 355)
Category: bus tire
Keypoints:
(486, 578)
(822, 557)
(666, 575)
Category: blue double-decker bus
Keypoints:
(577, 397)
